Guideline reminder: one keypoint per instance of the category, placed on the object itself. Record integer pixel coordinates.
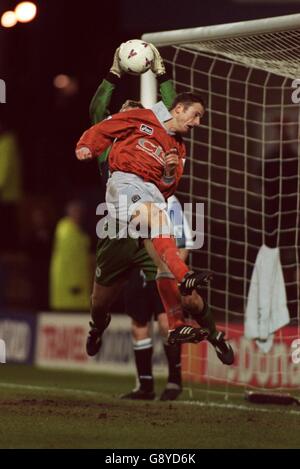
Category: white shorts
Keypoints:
(126, 191)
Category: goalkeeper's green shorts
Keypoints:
(115, 258)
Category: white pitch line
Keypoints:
(49, 388)
(196, 403)
(240, 407)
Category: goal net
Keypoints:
(243, 164)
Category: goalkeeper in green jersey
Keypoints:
(116, 258)
(100, 103)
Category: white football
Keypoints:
(135, 56)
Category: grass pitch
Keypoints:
(60, 409)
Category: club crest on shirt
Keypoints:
(135, 198)
(146, 129)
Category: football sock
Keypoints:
(143, 359)
(169, 253)
(206, 320)
(171, 299)
(173, 354)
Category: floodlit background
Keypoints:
(52, 65)
(53, 56)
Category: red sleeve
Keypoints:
(102, 135)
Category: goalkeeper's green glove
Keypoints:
(157, 66)
(115, 68)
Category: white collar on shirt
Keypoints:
(162, 114)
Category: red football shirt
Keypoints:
(140, 143)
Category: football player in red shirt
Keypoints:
(146, 162)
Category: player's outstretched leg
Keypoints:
(179, 331)
(217, 338)
(187, 334)
(200, 312)
(194, 281)
(222, 347)
(188, 280)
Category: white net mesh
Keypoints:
(243, 164)
(274, 52)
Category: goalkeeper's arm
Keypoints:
(99, 106)
(101, 100)
(166, 88)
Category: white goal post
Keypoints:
(271, 44)
(244, 164)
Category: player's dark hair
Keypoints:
(187, 99)
(133, 104)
